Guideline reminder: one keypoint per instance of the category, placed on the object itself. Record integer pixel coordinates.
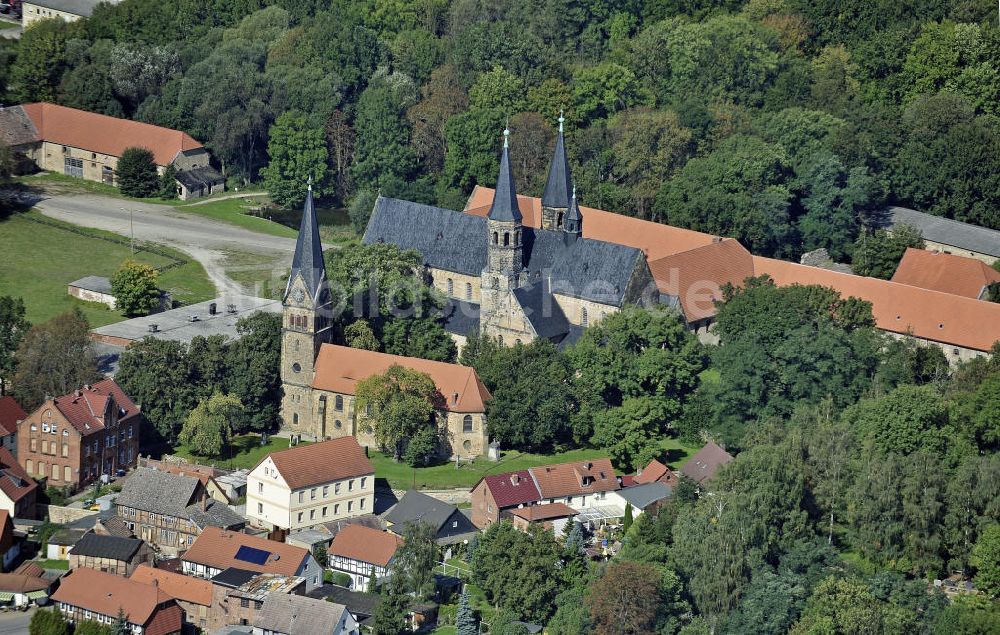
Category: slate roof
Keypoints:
(16, 127)
(199, 177)
(10, 413)
(589, 269)
(308, 258)
(559, 185)
(67, 537)
(159, 492)
(98, 284)
(113, 547)
(215, 514)
(504, 206)
(416, 506)
(298, 615)
(703, 466)
(234, 577)
(460, 317)
(83, 8)
(643, 495)
(15, 482)
(360, 604)
(949, 232)
(543, 313)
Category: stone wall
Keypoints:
(62, 515)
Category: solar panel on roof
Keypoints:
(252, 555)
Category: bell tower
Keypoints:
(556, 196)
(306, 324)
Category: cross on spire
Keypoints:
(561, 120)
(506, 135)
(309, 183)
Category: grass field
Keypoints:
(53, 564)
(402, 476)
(234, 212)
(41, 256)
(246, 452)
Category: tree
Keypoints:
(340, 149)
(121, 625)
(627, 520)
(319, 552)
(649, 147)
(401, 403)
(908, 419)
(412, 568)
(90, 627)
(136, 174)
(390, 612)
(360, 210)
(40, 62)
(465, 619)
(423, 447)
(48, 622)
(13, 327)
(977, 414)
(630, 433)
(251, 366)
(572, 615)
(422, 337)
(848, 606)
(154, 373)
(360, 335)
(208, 428)
(625, 599)
(297, 155)
(878, 254)
(602, 90)
(168, 183)
(382, 149)
(372, 586)
(985, 558)
(498, 90)
(442, 98)
(968, 615)
(134, 288)
(54, 358)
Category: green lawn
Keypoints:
(234, 211)
(41, 256)
(261, 276)
(66, 184)
(402, 476)
(54, 564)
(246, 452)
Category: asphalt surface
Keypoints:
(15, 621)
(205, 240)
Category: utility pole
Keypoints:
(131, 229)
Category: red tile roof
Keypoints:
(536, 513)
(655, 472)
(706, 462)
(365, 544)
(217, 548)
(656, 240)
(6, 532)
(575, 478)
(10, 413)
(945, 272)
(15, 482)
(696, 276)
(340, 368)
(323, 462)
(107, 135)
(176, 585)
(106, 593)
(511, 489)
(85, 408)
(21, 583)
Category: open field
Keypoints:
(41, 256)
(246, 452)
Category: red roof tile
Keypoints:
(106, 135)
(15, 481)
(106, 593)
(217, 548)
(536, 513)
(176, 585)
(511, 488)
(365, 544)
(10, 413)
(85, 408)
(943, 272)
(706, 462)
(696, 276)
(575, 478)
(6, 531)
(323, 462)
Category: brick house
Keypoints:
(73, 439)
(551, 516)
(498, 493)
(237, 594)
(17, 489)
(11, 414)
(87, 594)
(169, 510)
(88, 145)
(111, 554)
(193, 595)
(309, 485)
(703, 466)
(360, 551)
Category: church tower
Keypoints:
(573, 222)
(556, 196)
(504, 270)
(306, 323)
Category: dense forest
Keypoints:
(785, 123)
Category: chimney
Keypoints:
(153, 328)
(156, 582)
(588, 465)
(212, 309)
(514, 479)
(454, 398)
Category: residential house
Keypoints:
(238, 594)
(88, 594)
(318, 536)
(66, 10)
(308, 485)
(111, 554)
(18, 490)
(61, 542)
(703, 466)
(656, 472)
(113, 526)
(208, 475)
(940, 271)
(643, 497)
(169, 510)
(497, 494)
(11, 414)
(25, 586)
(284, 614)
(361, 605)
(88, 145)
(10, 545)
(950, 236)
(216, 550)
(360, 552)
(74, 439)
(193, 595)
(552, 516)
(449, 523)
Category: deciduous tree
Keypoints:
(209, 427)
(401, 403)
(625, 599)
(136, 173)
(297, 155)
(13, 327)
(134, 288)
(54, 358)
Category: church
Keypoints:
(509, 280)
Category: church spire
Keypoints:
(504, 207)
(308, 259)
(573, 222)
(559, 184)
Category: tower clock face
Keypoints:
(298, 295)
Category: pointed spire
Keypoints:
(559, 183)
(573, 223)
(308, 258)
(504, 207)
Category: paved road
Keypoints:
(15, 622)
(207, 241)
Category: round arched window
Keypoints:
(467, 423)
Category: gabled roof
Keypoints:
(178, 586)
(15, 482)
(112, 547)
(575, 478)
(943, 272)
(559, 184)
(949, 232)
(548, 511)
(416, 506)
(703, 466)
(308, 258)
(653, 473)
(10, 413)
(504, 206)
(6, 531)
(643, 495)
(696, 276)
(106, 593)
(220, 549)
(16, 127)
(298, 615)
(203, 176)
(511, 489)
(21, 583)
(86, 408)
(82, 8)
(365, 544)
(158, 492)
(340, 368)
(106, 135)
(324, 462)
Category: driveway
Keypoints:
(206, 240)
(16, 621)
